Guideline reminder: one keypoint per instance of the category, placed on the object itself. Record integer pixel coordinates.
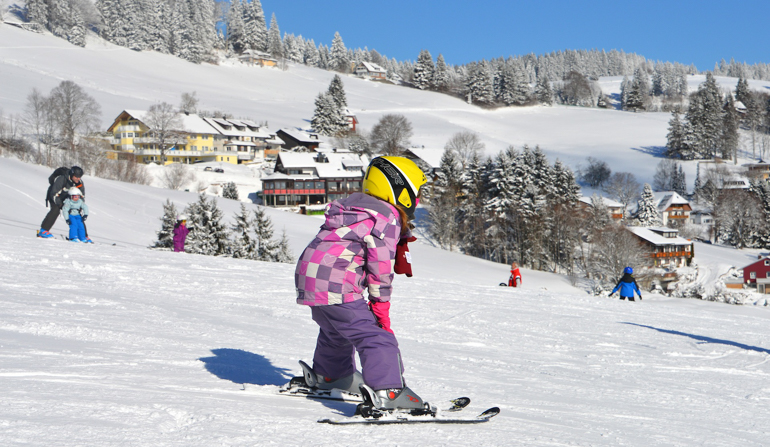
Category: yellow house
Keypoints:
(198, 141)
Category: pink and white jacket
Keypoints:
(355, 249)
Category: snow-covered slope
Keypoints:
(120, 345)
(119, 79)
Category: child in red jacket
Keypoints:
(515, 278)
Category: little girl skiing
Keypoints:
(75, 211)
(180, 233)
(356, 249)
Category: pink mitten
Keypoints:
(381, 311)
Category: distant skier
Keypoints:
(356, 249)
(180, 233)
(627, 286)
(75, 212)
(60, 181)
(515, 278)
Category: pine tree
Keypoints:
(237, 28)
(478, 84)
(283, 250)
(208, 235)
(327, 119)
(274, 42)
(675, 136)
(244, 245)
(255, 26)
(337, 92)
(647, 214)
(443, 200)
(77, 31)
(441, 75)
(338, 57)
(166, 233)
(679, 184)
(730, 125)
(263, 229)
(543, 91)
(599, 215)
(37, 11)
(230, 191)
(424, 71)
(742, 90)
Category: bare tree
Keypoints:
(664, 175)
(391, 134)
(75, 111)
(596, 173)
(189, 103)
(623, 187)
(176, 175)
(614, 248)
(38, 117)
(166, 127)
(466, 144)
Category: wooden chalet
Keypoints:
(666, 247)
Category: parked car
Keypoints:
(219, 170)
(207, 168)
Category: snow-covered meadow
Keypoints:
(121, 345)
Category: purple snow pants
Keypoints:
(350, 327)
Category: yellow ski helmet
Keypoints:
(396, 180)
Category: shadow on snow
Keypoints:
(704, 339)
(239, 366)
(655, 151)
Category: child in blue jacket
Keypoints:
(75, 211)
(627, 286)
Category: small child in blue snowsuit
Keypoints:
(75, 211)
(627, 286)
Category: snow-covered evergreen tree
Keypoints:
(478, 84)
(37, 11)
(255, 26)
(742, 90)
(679, 183)
(543, 91)
(237, 36)
(263, 230)
(338, 55)
(283, 250)
(168, 220)
(424, 71)
(730, 125)
(274, 42)
(244, 244)
(208, 234)
(230, 191)
(443, 197)
(337, 92)
(441, 75)
(647, 214)
(327, 119)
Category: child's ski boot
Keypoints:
(394, 400)
(45, 234)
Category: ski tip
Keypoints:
(490, 413)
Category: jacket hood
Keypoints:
(357, 208)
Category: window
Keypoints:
(753, 275)
(767, 261)
(333, 186)
(319, 185)
(767, 275)
(299, 185)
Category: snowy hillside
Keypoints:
(120, 345)
(119, 79)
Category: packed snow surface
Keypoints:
(121, 345)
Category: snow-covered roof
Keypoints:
(653, 235)
(335, 167)
(372, 67)
(762, 259)
(609, 203)
(190, 123)
(230, 128)
(301, 135)
(666, 199)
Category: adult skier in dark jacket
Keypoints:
(57, 194)
(627, 286)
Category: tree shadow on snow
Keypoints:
(655, 151)
(239, 366)
(703, 339)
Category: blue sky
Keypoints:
(691, 32)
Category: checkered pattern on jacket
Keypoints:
(355, 249)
